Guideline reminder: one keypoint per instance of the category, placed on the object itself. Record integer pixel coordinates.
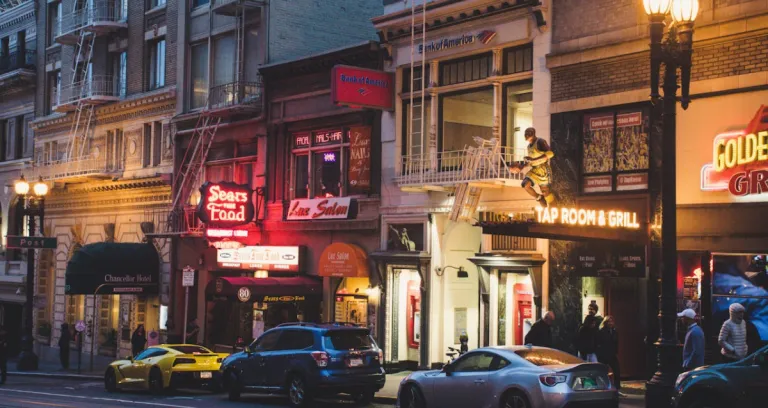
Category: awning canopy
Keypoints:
(107, 268)
(565, 233)
(283, 289)
(343, 261)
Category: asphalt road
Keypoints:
(51, 393)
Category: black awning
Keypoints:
(106, 268)
(277, 289)
(565, 233)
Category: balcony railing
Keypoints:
(177, 221)
(101, 16)
(239, 94)
(507, 243)
(98, 89)
(77, 168)
(17, 60)
(453, 167)
(229, 7)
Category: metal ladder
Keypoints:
(467, 197)
(417, 108)
(202, 138)
(84, 112)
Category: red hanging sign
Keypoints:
(225, 204)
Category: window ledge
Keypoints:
(53, 47)
(155, 10)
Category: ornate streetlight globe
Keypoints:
(685, 11)
(21, 186)
(40, 188)
(657, 7)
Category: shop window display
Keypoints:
(742, 279)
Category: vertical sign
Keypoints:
(359, 159)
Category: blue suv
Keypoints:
(307, 360)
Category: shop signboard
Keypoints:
(270, 258)
(225, 204)
(334, 208)
(740, 159)
(359, 160)
(483, 37)
(610, 260)
(360, 87)
(588, 217)
(342, 260)
(597, 184)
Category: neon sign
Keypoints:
(339, 208)
(740, 160)
(329, 157)
(225, 205)
(225, 233)
(587, 217)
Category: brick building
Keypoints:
(606, 136)
(18, 61)
(105, 95)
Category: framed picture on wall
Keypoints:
(406, 237)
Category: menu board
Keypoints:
(598, 144)
(610, 260)
(359, 160)
(631, 142)
(691, 287)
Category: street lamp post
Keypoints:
(31, 205)
(674, 51)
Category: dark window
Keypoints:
(149, 353)
(301, 183)
(147, 156)
(472, 363)
(327, 173)
(466, 69)
(18, 145)
(519, 59)
(157, 142)
(542, 357)
(415, 84)
(54, 91)
(296, 340)
(266, 342)
(499, 363)
(218, 173)
(349, 340)
(198, 3)
(54, 21)
(247, 149)
(155, 3)
(191, 349)
(156, 67)
(199, 74)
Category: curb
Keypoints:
(57, 376)
(384, 400)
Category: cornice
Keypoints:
(17, 15)
(119, 185)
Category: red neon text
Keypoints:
(749, 182)
(226, 205)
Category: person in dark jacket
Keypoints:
(3, 354)
(138, 340)
(64, 340)
(608, 348)
(541, 332)
(586, 342)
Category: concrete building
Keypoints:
(18, 62)
(106, 93)
(467, 87)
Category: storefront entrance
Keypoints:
(403, 318)
(513, 308)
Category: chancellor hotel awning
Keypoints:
(107, 268)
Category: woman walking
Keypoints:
(608, 348)
(587, 340)
(138, 340)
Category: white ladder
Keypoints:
(80, 85)
(202, 138)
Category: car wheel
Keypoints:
(515, 400)
(363, 398)
(411, 397)
(110, 380)
(155, 381)
(298, 393)
(233, 386)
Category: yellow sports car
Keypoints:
(167, 366)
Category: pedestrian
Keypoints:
(3, 355)
(593, 310)
(693, 349)
(608, 348)
(192, 330)
(138, 340)
(64, 340)
(586, 342)
(733, 335)
(540, 333)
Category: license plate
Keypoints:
(206, 374)
(589, 383)
(355, 362)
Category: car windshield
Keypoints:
(190, 349)
(542, 357)
(349, 340)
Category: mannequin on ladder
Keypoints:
(538, 156)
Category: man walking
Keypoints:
(541, 332)
(733, 335)
(608, 349)
(693, 349)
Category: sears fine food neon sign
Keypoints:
(225, 204)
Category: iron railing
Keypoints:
(77, 167)
(174, 221)
(17, 60)
(99, 12)
(508, 243)
(98, 86)
(236, 93)
(449, 168)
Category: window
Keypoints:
(119, 67)
(54, 91)
(156, 64)
(155, 3)
(517, 116)
(146, 158)
(416, 128)
(296, 340)
(224, 54)
(416, 83)
(519, 59)
(464, 116)
(615, 154)
(349, 340)
(50, 152)
(473, 362)
(191, 349)
(266, 342)
(199, 3)
(323, 166)
(18, 142)
(499, 363)
(153, 133)
(149, 353)
(543, 357)
(115, 149)
(466, 69)
(199, 75)
(54, 21)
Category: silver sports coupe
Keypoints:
(511, 377)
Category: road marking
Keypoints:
(41, 403)
(48, 394)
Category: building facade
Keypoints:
(105, 96)
(467, 88)
(18, 68)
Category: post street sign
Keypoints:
(17, 242)
(188, 277)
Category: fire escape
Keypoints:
(89, 21)
(226, 102)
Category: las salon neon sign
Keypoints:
(740, 160)
(225, 204)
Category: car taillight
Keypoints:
(219, 360)
(183, 361)
(550, 380)
(321, 358)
